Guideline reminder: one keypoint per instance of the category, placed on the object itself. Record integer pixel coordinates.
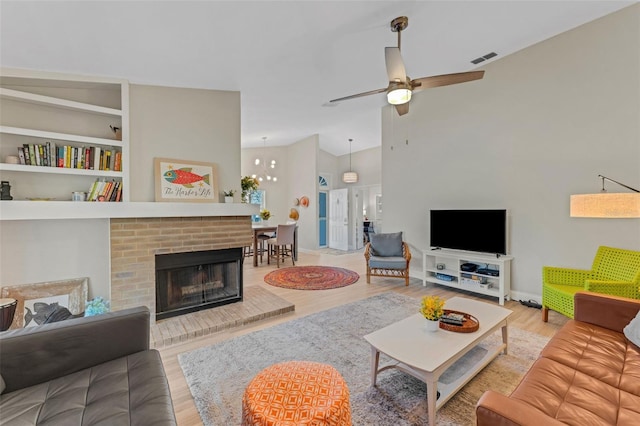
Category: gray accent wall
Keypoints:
(540, 126)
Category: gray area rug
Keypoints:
(217, 375)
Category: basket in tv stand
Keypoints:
(452, 260)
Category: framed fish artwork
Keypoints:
(186, 181)
(36, 302)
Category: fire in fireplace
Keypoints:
(189, 282)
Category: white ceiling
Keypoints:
(287, 58)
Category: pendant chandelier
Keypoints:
(264, 173)
(350, 176)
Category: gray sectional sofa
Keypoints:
(86, 371)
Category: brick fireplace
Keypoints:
(136, 241)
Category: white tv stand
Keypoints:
(452, 261)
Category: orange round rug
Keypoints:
(311, 277)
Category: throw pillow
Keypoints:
(386, 245)
(632, 330)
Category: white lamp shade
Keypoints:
(399, 96)
(606, 205)
(350, 177)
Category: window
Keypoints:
(258, 197)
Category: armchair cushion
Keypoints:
(387, 245)
(392, 262)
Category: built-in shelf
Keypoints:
(44, 210)
(59, 136)
(58, 170)
(57, 102)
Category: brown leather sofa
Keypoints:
(84, 371)
(588, 373)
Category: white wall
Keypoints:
(51, 250)
(277, 193)
(540, 126)
(303, 180)
(185, 124)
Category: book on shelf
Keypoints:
(21, 155)
(104, 191)
(48, 154)
(32, 154)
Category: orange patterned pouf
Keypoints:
(297, 393)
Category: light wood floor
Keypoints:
(308, 302)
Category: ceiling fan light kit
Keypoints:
(399, 96)
(401, 87)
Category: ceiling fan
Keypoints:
(400, 86)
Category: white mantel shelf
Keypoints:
(44, 210)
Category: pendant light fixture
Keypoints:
(606, 204)
(264, 174)
(350, 176)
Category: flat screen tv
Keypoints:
(482, 231)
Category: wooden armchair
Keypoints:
(614, 271)
(387, 256)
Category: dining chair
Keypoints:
(282, 244)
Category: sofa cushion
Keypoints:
(131, 390)
(632, 330)
(585, 375)
(386, 244)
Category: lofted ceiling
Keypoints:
(287, 58)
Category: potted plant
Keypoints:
(265, 215)
(248, 184)
(432, 308)
(228, 195)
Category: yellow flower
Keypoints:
(432, 307)
(265, 214)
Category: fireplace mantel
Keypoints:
(43, 210)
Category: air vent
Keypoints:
(484, 58)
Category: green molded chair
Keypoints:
(615, 271)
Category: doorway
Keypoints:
(339, 219)
(322, 219)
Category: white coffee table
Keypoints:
(426, 355)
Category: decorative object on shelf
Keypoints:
(248, 184)
(459, 322)
(264, 174)
(5, 190)
(12, 159)
(304, 201)
(605, 204)
(228, 195)
(185, 180)
(7, 311)
(117, 132)
(440, 266)
(265, 214)
(350, 176)
(37, 301)
(296, 201)
(293, 214)
(78, 196)
(96, 306)
(432, 308)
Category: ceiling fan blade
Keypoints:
(395, 64)
(402, 109)
(445, 80)
(359, 95)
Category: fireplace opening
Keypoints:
(189, 282)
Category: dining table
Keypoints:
(261, 228)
